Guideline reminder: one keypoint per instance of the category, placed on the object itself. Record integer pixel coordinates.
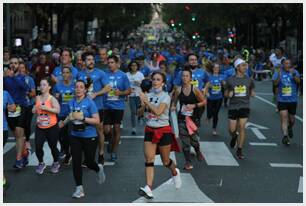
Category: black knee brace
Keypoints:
(169, 164)
(149, 164)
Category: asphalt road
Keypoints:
(271, 172)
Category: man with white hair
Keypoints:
(238, 89)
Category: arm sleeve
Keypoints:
(10, 100)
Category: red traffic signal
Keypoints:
(187, 8)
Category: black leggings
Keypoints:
(213, 108)
(51, 134)
(64, 138)
(89, 146)
(27, 128)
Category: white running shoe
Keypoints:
(79, 192)
(101, 175)
(177, 179)
(146, 192)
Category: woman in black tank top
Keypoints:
(190, 99)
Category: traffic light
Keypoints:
(193, 37)
(173, 25)
(193, 17)
(187, 8)
(180, 24)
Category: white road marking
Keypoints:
(32, 136)
(250, 125)
(300, 189)
(132, 137)
(218, 154)
(270, 103)
(258, 133)
(189, 192)
(173, 119)
(8, 146)
(48, 159)
(284, 165)
(158, 160)
(262, 144)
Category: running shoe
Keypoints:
(19, 164)
(290, 132)
(62, 155)
(113, 157)
(25, 161)
(239, 154)
(134, 131)
(200, 156)
(286, 140)
(67, 160)
(40, 168)
(146, 192)
(234, 140)
(55, 167)
(188, 166)
(101, 159)
(214, 133)
(101, 175)
(79, 192)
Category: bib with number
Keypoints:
(67, 96)
(186, 112)
(287, 91)
(16, 113)
(216, 89)
(195, 83)
(43, 120)
(240, 91)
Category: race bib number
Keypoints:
(186, 112)
(66, 97)
(240, 91)
(16, 113)
(216, 89)
(286, 91)
(152, 117)
(111, 96)
(43, 120)
(195, 83)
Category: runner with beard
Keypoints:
(98, 86)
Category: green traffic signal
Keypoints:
(193, 19)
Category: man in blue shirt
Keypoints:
(286, 80)
(15, 84)
(98, 85)
(66, 59)
(199, 76)
(114, 103)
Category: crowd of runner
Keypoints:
(78, 97)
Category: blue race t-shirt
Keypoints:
(287, 87)
(7, 100)
(215, 92)
(99, 80)
(88, 107)
(17, 88)
(31, 84)
(57, 72)
(66, 93)
(199, 78)
(117, 80)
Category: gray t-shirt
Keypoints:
(158, 121)
(241, 87)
